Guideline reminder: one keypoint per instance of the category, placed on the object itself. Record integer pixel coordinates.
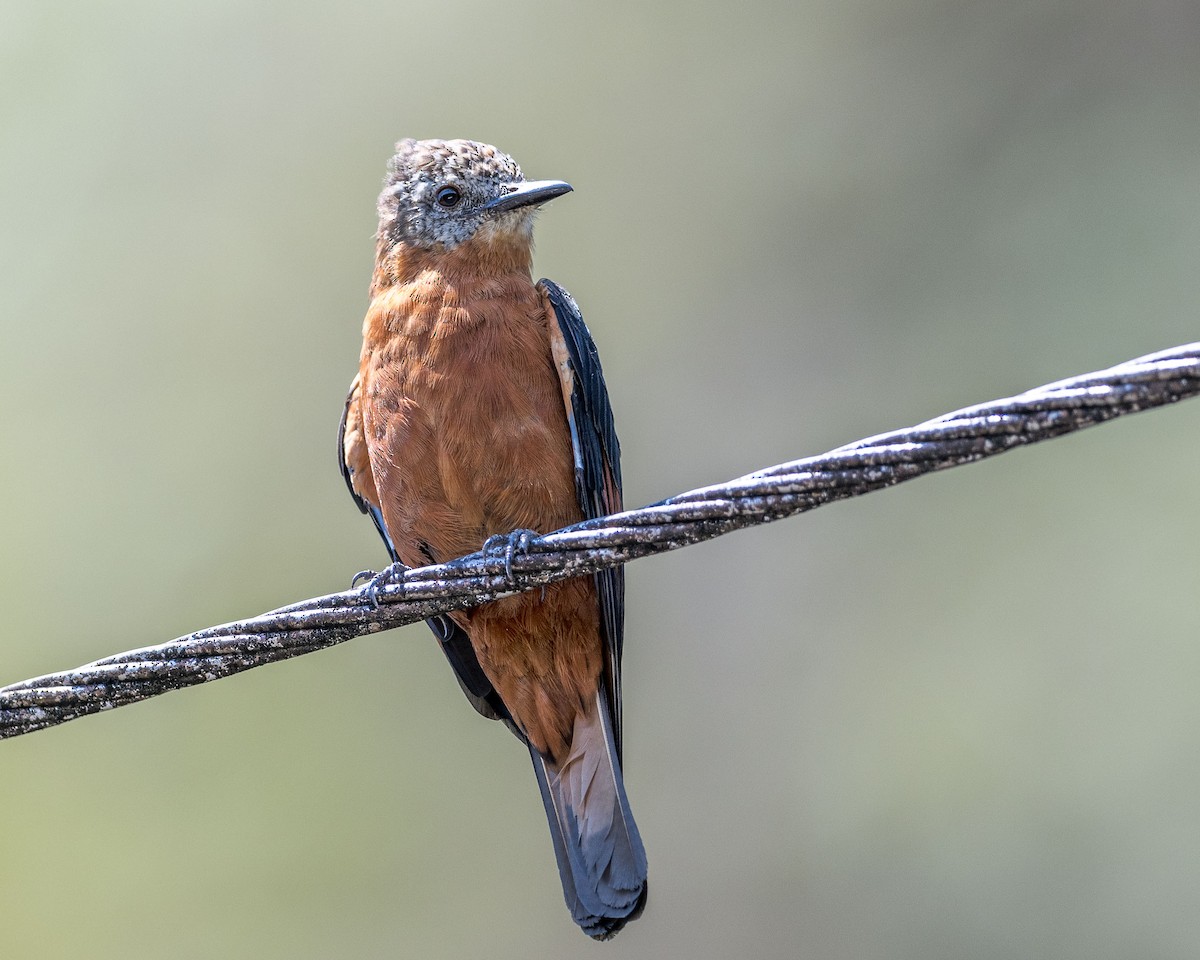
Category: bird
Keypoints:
(480, 417)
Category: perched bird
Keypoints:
(480, 411)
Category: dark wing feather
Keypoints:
(455, 643)
(343, 461)
(597, 470)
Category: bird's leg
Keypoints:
(512, 544)
(375, 581)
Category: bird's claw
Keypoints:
(512, 543)
(386, 577)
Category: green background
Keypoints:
(956, 719)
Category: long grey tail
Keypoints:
(600, 856)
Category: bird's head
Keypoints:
(440, 193)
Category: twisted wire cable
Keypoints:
(961, 437)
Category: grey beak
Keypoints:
(528, 193)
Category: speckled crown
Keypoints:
(427, 160)
(407, 208)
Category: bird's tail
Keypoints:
(600, 855)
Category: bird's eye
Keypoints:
(448, 197)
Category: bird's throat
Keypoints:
(491, 253)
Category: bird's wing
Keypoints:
(597, 465)
(355, 463)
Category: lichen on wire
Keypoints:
(773, 493)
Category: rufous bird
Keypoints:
(480, 412)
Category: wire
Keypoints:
(770, 494)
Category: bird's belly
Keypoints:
(515, 471)
(472, 442)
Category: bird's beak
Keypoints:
(528, 193)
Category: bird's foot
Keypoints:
(510, 544)
(376, 581)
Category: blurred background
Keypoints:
(960, 718)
